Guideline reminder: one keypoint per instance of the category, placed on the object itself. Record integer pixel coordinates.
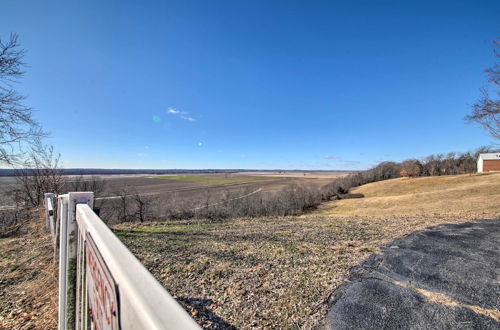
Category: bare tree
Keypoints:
(11, 221)
(123, 198)
(17, 125)
(40, 173)
(80, 183)
(486, 111)
(141, 205)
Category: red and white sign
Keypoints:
(102, 297)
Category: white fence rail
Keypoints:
(101, 284)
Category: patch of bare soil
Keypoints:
(262, 273)
(28, 280)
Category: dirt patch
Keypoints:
(28, 280)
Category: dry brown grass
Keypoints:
(458, 195)
(270, 273)
(442, 299)
(28, 280)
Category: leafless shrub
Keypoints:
(122, 206)
(81, 183)
(128, 206)
(174, 207)
(142, 207)
(292, 201)
(12, 220)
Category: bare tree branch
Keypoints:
(486, 111)
(17, 125)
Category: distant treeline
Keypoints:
(105, 171)
(434, 165)
(293, 200)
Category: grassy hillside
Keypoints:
(475, 195)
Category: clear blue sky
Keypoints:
(254, 84)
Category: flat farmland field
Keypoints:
(194, 187)
(214, 179)
(191, 186)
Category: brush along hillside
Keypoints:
(279, 272)
(28, 278)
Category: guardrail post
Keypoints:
(68, 257)
(75, 257)
(47, 197)
(62, 220)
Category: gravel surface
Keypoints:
(442, 278)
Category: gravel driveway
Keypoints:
(446, 277)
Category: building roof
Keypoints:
(490, 156)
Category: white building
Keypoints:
(489, 162)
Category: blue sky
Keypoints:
(254, 84)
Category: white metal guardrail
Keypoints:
(101, 283)
(51, 223)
